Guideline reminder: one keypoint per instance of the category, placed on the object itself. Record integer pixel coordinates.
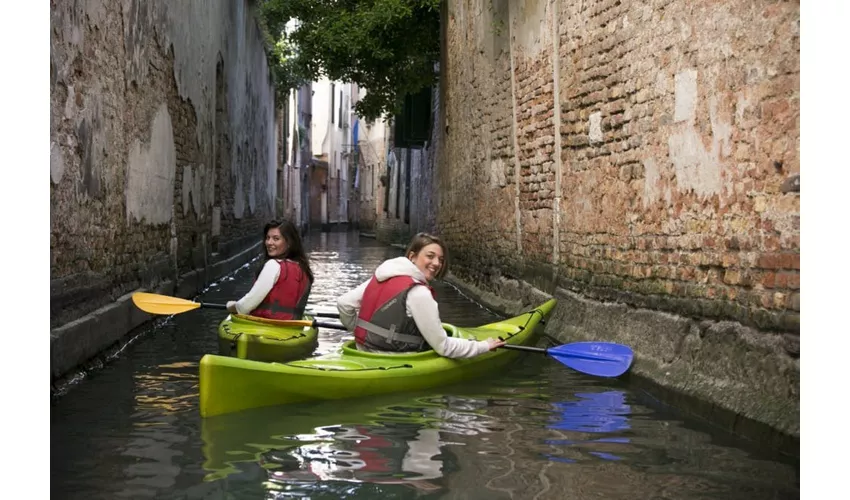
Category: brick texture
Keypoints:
(679, 139)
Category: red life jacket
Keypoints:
(383, 323)
(288, 297)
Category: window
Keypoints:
(413, 125)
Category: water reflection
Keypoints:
(387, 441)
(402, 440)
(392, 454)
(595, 413)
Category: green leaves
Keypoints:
(388, 47)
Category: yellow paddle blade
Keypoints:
(154, 303)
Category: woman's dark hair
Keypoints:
(294, 248)
(422, 240)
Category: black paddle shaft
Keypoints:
(525, 348)
(335, 326)
(210, 305)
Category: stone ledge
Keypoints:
(76, 342)
(733, 376)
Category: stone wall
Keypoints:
(162, 144)
(644, 154)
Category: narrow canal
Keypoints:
(540, 431)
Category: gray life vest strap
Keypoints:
(391, 335)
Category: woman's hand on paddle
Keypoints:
(495, 343)
(231, 306)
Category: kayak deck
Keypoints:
(261, 339)
(230, 384)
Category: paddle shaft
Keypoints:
(210, 305)
(525, 348)
(318, 324)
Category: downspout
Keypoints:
(556, 89)
(517, 173)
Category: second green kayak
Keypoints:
(260, 339)
(229, 384)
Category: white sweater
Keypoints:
(421, 306)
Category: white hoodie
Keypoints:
(421, 306)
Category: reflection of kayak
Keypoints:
(230, 384)
(294, 441)
(245, 436)
(260, 339)
(386, 455)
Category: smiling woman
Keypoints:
(283, 284)
(396, 310)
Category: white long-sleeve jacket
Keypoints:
(421, 306)
(265, 282)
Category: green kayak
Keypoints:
(229, 384)
(261, 339)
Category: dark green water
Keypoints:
(538, 431)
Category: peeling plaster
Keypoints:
(697, 168)
(57, 163)
(150, 173)
(198, 189)
(652, 176)
(595, 127)
(497, 174)
(191, 191)
(686, 96)
(219, 28)
(529, 25)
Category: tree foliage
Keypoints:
(388, 47)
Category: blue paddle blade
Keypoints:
(602, 359)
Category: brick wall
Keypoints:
(653, 161)
(158, 167)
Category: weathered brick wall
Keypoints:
(668, 171)
(636, 159)
(477, 182)
(162, 144)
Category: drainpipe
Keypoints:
(556, 89)
(517, 171)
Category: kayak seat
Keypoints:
(452, 331)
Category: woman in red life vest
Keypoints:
(283, 284)
(396, 310)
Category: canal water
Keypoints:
(539, 431)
